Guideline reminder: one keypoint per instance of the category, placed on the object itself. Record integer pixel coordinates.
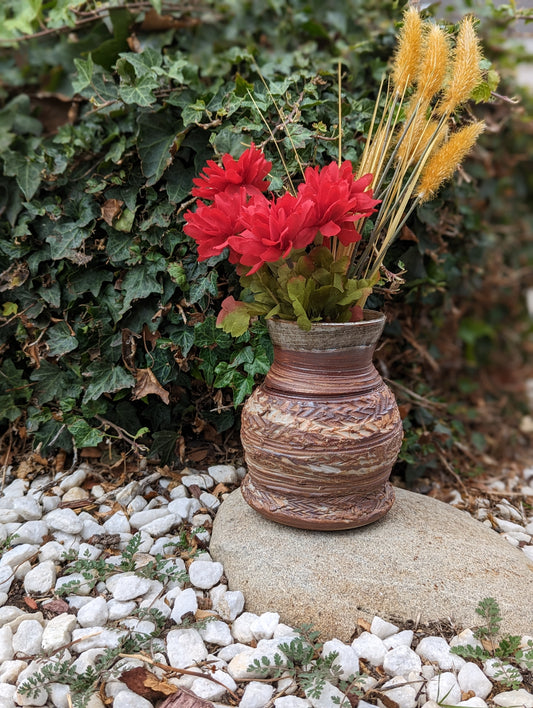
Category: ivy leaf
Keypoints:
(53, 382)
(106, 378)
(158, 140)
(140, 92)
(60, 339)
(26, 169)
(138, 283)
(84, 78)
(84, 435)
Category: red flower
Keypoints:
(211, 226)
(271, 230)
(248, 171)
(338, 199)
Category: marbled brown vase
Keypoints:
(321, 433)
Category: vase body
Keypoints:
(321, 433)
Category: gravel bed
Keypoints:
(109, 597)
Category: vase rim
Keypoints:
(327, 335)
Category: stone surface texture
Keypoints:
(423, 559)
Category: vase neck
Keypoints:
(329, 373)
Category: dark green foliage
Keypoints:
(107, 318)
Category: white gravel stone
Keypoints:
(32, 532)
(127, 586)
(184, 507)
(401, 661)
(264, 626)
(75, 479)
(10, 670)
(403, 638)
(437, 651)
(216, 632)
(205, 574)
(230, 605)
(194, 479)
(119, 610)
(186, 601)
(381, 628)
(472, 678)
(94, 614)
(508, 526)
(329, 697)
(185, 647)
(64, 520)
(162, 525)
(17, 555)
(256, 695)
(444, 688)
(76, 581)
(521, 697)
(474, 702)
(346, 659)
(41, 696)
(40, 579)
(210, 691)
(293, 702)
(59, 694)
(178, 492)
(17, 488)
(209, 500)
(129, 699)
(52, 550)
(223, 474)
(464, 639)
(117, 523)
(3, 598)
(95, 638)
(497, 669)
(57, 632)
(399, 691)
(6, 578)
(28, 508)
(6, 644)
(27, 639)
(238, 666)
(369, 647)
(141, 518)
(9, 614)
(528, 550)
(75, 494)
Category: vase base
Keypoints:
(319, 513)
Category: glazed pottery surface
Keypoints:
(322, 432)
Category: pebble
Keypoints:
(368, 646)
(521, 697)
(382, 629)
(472, 678)
(256, 695)
(102, 613)
(205, 574)
(401, 661)
(185, 647)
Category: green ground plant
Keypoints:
(107, 319)
(508, 651)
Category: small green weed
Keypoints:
(510, 656)
(95, 570)
(308, 668)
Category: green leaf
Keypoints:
(85, 68)
(140, 92)
(159, 138)
(139, 282)
(27, 170)
(84, 435)
(60, 339)
(105, 378)
(54, 382)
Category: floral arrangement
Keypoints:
(302, 255)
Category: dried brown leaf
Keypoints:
(111, 210)
(146, 383)
(185, 699)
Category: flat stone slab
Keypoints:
(423, 560)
